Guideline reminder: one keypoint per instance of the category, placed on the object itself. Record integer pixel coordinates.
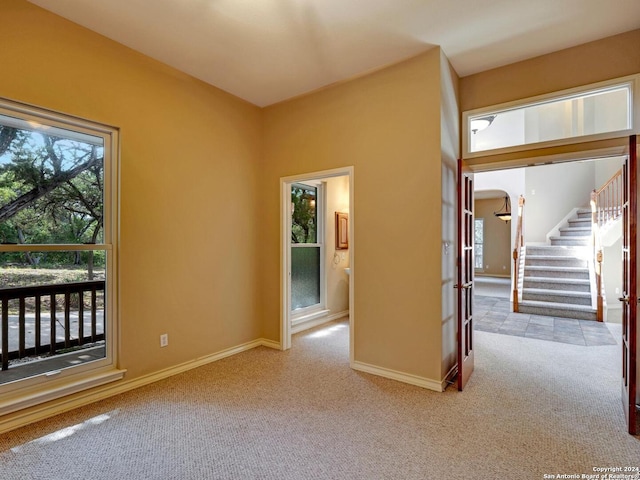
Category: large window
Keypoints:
(306, 247)
(58, 180)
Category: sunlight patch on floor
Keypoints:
(325, 332)
(68, 431)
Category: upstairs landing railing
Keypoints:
(519, 243)
(606, 207)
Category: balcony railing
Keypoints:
(49, 327)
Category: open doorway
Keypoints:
(317, 246)
(592, 121)
(553, 222)
(557, 268)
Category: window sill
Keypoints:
(54, 390)
(308, 316)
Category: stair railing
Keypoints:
(608, 200)
(606, 206)
(519, 243)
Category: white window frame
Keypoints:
(320, 242)
(632, 81)
(52, 385)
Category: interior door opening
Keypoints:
(601, 166)
(317, 251)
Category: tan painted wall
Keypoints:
(337, 191)
(592, 62)
(387, 126)
(189, 225)
(497, 237)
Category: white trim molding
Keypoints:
(310, 321)
(41, 393)
(428, 383)
(632, 82)
(264, 342)
(286, 324)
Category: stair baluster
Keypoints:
(606, 206)
(516, 254)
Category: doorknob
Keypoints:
(624, 298)
(464, 285)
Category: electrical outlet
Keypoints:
(164, 340)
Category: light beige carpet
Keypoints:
(531, 408)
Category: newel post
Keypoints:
(515, 282)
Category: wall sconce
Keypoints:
(480, 123)
(505, 212)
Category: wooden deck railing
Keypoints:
(46, 297)
(606, 207)
(516, 254)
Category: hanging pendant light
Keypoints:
(505, 212)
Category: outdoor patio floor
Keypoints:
(45, 364)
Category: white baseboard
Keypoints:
(314, 322)
(428, 383)
(270, 344)
(71, 402)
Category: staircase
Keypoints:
(556, 279)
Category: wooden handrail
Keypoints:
(608, 199)
(606, 207)
(516, 253)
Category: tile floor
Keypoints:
(493, 314)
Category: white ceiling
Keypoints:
(265, 51)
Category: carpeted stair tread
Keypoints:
(557, 250)
(570, 297)
(557, 280)
(586, 230)
(580, 222)
(570, 241)
(546, 283)
(552, 309)
(553, 268)
(555, 261)
(558, 306)
(566, 293)
(554, 257)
